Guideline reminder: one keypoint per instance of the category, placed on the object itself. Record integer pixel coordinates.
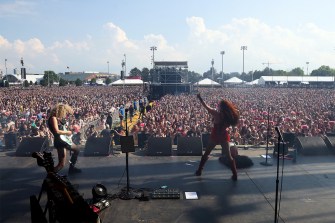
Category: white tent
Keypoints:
(127, 82)
(206, 82)
(254, 82)
(233, 80)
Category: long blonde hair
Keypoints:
(60, 110)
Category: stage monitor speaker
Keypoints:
(98, 146)
(127, 144)
(159, 146)
(189, 146)
(11, 141)
(313, 145)
(28, 145)
(330, 142)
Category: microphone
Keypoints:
(279, 133)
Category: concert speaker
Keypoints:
(205, 139)
(98, 146)
(330, 142)
(159, 146)
(23, 73)
(289, 138)
(28, 145)
(11, 140)
(189, 146)
(311, 145)
(122, 75)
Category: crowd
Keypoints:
(24, 111)
(302, 111)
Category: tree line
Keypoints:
(50, 77)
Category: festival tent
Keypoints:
(127, 82)
(207, 82)
(233, 80)
(254, 82)
(297, 79)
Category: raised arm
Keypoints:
(209, 109)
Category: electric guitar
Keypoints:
(66, 138)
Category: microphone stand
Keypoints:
(129, 195)
(280, 139)
(266, 163)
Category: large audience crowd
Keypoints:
(302, 111)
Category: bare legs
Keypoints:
(225, 150)
(62, 158)
(204, 157)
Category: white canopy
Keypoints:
(206, 82)
(127, 82)
(233, 80)
(254, 82)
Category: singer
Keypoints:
(224, 116)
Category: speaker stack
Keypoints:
(98, 146)
(311, 146)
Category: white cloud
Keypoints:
(16, 8)
(118, 36)
(287, 48)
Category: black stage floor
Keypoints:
(307, 188)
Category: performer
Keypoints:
(225, 116)
(55, 125)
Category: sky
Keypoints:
(96, 35)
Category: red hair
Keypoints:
(229, 111)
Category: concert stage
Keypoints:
(307, 188)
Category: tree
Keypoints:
(193, 77)
(49, 78)
(25, 83)
(135, 72)
(108, 81)
(78, 82)
(296, 72)
(145, 73)
(323, 71)
(62, 82)
(93, 81)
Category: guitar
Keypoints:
(66, 138)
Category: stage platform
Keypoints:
(307, 194)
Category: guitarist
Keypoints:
(55, 125)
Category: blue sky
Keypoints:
(84, 34)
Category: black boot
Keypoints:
(73, 169)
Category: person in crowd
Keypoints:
(224, 116)
(91, 132)
(55, 124)
(131, 113)
(109, 121)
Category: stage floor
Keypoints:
(307, 193)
